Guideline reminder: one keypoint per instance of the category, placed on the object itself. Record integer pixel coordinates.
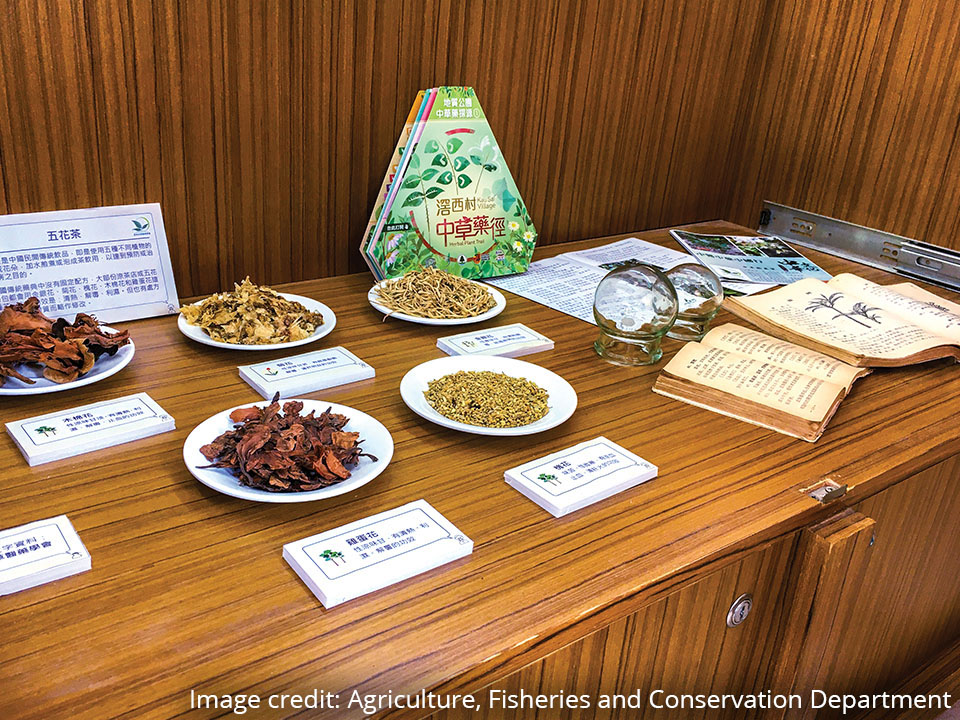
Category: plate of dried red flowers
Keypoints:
(297, 451)
(41, 355)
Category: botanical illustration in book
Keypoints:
(859, 321)
(456, 206)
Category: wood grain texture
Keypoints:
(264, 128)
(189, 590)
(678, 644)
(833, 558)
(855, 115)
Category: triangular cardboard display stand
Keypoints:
(448, 199)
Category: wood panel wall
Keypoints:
(856, 114)
(264, 126)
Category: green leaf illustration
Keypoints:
(489, 167)
(453, 144)
(460, 162)
(440, 160)
(432, 192)
(414, 160)
(429, 174)
(445, 178)
(476, 160)
(411, 181)
(413, 200)
(432, 146)
(463, 181)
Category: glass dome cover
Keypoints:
(699, 294)
(634, 306)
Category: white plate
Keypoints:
(104, 367)
(195, 332)
(499, 300)
(375, 439)
(562, 398)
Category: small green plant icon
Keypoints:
(334, 556)
(46, 430)
(547, 478)
(141, 224)
(271, 372)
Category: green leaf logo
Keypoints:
(440, 160)
(429, 174)
(432, 192)
(453, 144)
(414, 199)
(445, 178)
(411, 182)
(432, 146)
(463, 181)
(460, 162)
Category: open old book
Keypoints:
(858, 321)
(751, 376)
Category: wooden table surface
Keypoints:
(189, 590)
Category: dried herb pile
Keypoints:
(66, 351)
(286, 451)
(488, 399)
(252, 315)
(432, 293)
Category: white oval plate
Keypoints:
(195, 332)
(376, 440)
(562, 398)
(102, 369)
(499, 299)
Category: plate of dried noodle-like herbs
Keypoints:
(433, 297)
(488, 395)
(299, 451)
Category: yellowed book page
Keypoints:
(760, 346)
(799, 395)
(833, 317)
(908, 301)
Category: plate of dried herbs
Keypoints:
(41, 355)
(256, 317)
(297, 451)
(488, 395)
(434, 297)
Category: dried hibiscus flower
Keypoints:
(286, 451)
(66, 351)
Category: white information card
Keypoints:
(576, 477)
(112, 262)
(305, 373)
(370, 554)
(38, 553)
(506, 341)
(63, 434)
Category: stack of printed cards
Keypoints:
(305, 373)
(506, 341)
(63, 434)
(38, 553)
(370, 554)
(574, 478)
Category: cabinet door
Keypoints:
(680, 644)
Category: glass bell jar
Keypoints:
(634, 307)
(699, 294)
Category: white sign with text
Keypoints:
(112, 262)
(370, 554)
(579, 476)
(506, 341)
(63, 434)
(318, 370)
(40, 552)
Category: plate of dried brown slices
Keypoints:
(433, 297)
(487, 395)
(256, 317)
(41, 355)
(288, 451)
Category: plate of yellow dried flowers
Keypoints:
(487, 395)
(256, 317)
